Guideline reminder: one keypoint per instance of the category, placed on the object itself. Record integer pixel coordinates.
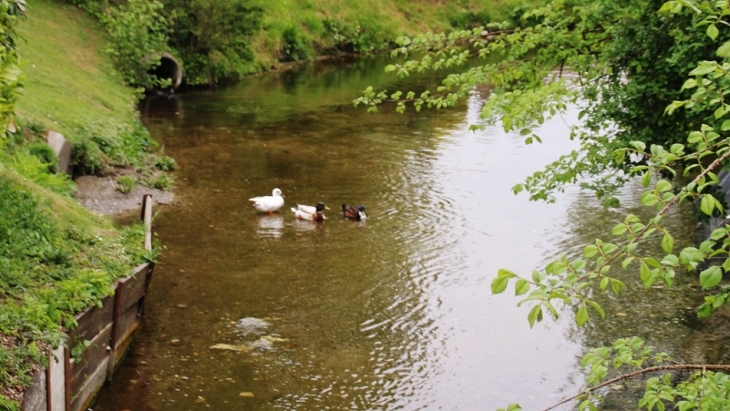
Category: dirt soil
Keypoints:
(100, 194)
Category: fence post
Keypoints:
(147, 218)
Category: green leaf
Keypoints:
(582, 316)
(590, 251)
(521, 286)
(663, 185)
(712, 31)
(690, 83)
(639, 145)
(626, 262)
(578, 265)
(649, 198)
(670, 259)
(707, 204)
(646, 179)
(695, 137)
(617, 286)
(710, 277)
(619, 229)
(598, 308)
(535, 315)
(724, 50)
(645, 274)
(667, 243)
(499, 284)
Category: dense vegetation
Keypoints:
(220, 41)
(57, 258)
(651, 78)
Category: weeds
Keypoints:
(125, 184)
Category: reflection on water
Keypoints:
(270, 226)
(392, 314)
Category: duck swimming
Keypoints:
(305, 212)
(354, 213)
(268, 204)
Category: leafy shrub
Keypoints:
(125, 184)
(161, 181)
(166, 163)
(213, 37)
(138, 29)
(470, 19)
(49, 271)
(98, 147)
(295, 45)
(88, 157)
(34, 169)
(360, 37)
(45, 154)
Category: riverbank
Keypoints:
(58, 258)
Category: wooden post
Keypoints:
(67, 377)
(147, 218)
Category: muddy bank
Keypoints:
(100, 194)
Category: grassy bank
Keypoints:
(72, 87)
(56, 257)
(224, 40)
(296, 30)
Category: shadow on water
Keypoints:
(393, 313)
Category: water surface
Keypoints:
(391, 314)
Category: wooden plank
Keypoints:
(88, 391)
(57, 380)
(35, 396)
(127, 320)
(133, 289)
(150, 271)
(67, 379)
(124, 343)
(91, 321)
(90, 361)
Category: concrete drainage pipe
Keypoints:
(169, 68)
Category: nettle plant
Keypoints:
(617, 79)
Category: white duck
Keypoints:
(268, 204)
(305, 212)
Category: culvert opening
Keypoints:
(168, 69)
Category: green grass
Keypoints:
(362, 26)
(71, 87)
(56, 259)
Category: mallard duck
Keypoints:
(354, 213)
(305, 212)
(268, 204)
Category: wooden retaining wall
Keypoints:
(70, 382)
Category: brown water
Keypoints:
(391, 314)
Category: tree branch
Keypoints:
(675, 367)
